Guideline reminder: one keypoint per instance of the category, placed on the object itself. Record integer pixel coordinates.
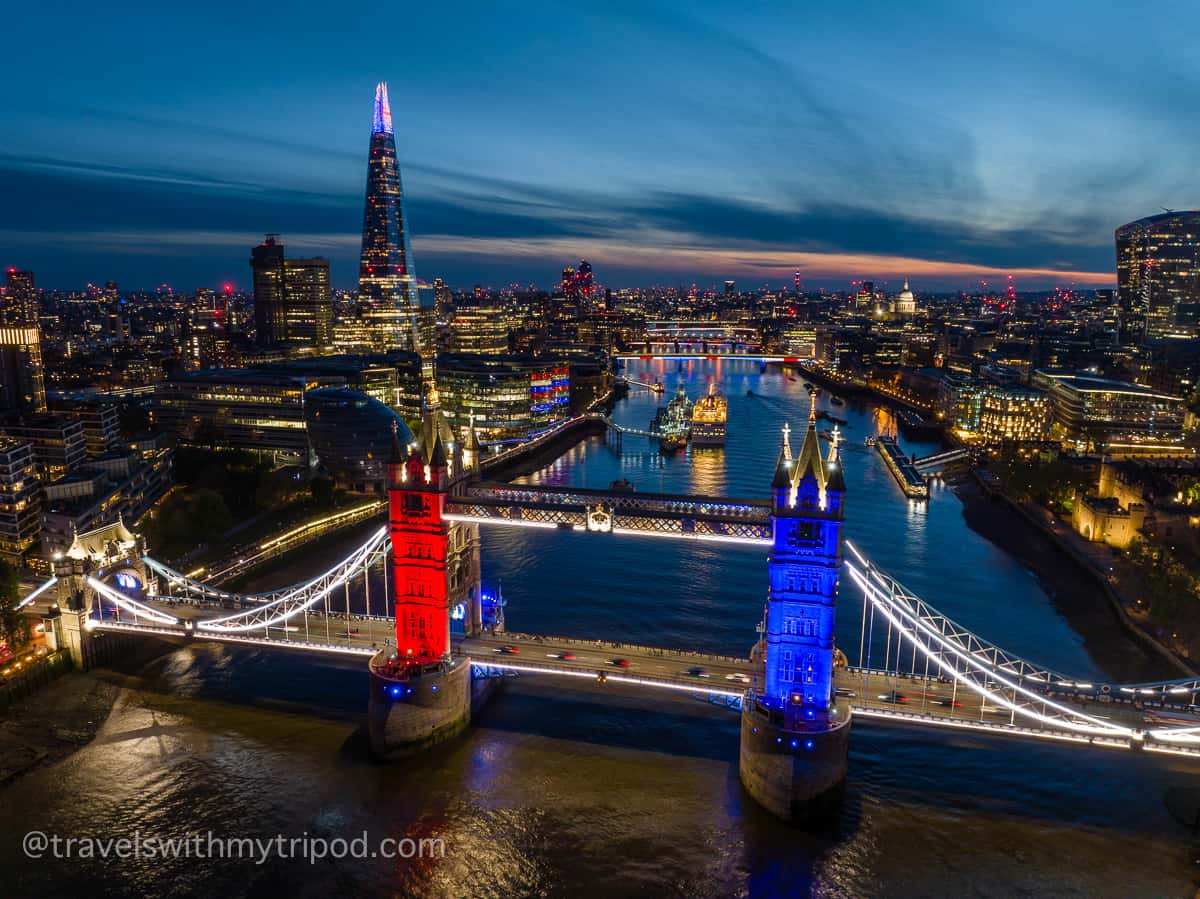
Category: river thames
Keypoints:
(568, 791)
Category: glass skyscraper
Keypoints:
(1158, 272)
(22, 377)
(20, 306)
(387, 285)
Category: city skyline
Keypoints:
(782, 478)
(675, 147)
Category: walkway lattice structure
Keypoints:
(610, 511)
(939, 461)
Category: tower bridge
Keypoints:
(436, 645)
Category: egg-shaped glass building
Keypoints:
(351, 435)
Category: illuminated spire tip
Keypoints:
(383, 112)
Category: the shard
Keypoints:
(387, 285)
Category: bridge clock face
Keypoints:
(806, 533)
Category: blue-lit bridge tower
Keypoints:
(795, 733)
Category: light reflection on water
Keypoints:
(562, 791)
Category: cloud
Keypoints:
(118, 215)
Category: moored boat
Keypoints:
(672, 423)
(708, 419)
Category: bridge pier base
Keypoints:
(408, 715)
(796, 774)
(67, 629)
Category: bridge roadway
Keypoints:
(875, 695)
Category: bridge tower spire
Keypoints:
(795, 732)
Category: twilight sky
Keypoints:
(667, 143)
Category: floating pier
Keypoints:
(911, 481)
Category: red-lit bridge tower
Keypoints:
(420, 547)
(420, 694)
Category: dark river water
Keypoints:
(563, 791)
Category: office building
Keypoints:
(1103, 415)
(101, 422)
(58, 440)
(393, 379)
(266, 263)
(292, 298)
(307, 301)
(240, 409)
(351, 435)
(510, 397)
(1158, 272)
(481, 328)
(22, 375)
(1008, 413)
(20, 506)
(20, 306)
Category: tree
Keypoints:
(1052, 483)
(134, 419)
(274, 488)
(208, 516)
(322, 491)
(14, 626)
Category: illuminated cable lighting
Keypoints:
(983, 727)
(336, 576)
(130, 604)
(1189, 734)
(229, 638)
(36, 593)
(1094, 725)
(615, 677)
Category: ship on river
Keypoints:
(673, 422)
(708, 419)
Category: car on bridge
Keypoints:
(845, 693)
(620, 663)
(509, 650)
(565, 656)
(739, 677)
(946, 701)
(892, 696)
(697, 671)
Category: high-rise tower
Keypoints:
(22, 378)
(795, 733)
(387, 285)
(266, 262)
(20, 306)
(1158, 272)
(292, 300)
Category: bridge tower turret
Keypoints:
(795, 732)
(421, 694)
(419, 543)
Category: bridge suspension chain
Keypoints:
(999, 677)
(306, 595)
